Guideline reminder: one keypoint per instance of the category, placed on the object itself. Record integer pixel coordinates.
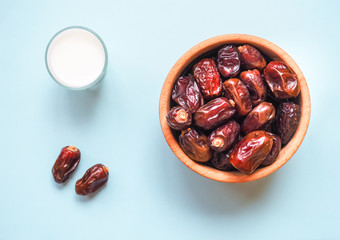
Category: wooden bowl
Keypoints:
(272, 51)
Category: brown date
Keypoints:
(236, 91)
(228, 61)
(251, 57)
(214, 113)
(94, 178)
(281, 80)
(254, 82)
(208, 78)
(186, 93)
(220, 161)
(287, 120)
(179, 118)
(274, 152)
(222, 138)
(195, 145)
(262, 115)
(66, 163)
(250, 152)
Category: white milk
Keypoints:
(76, 58)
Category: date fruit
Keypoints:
(214, 113)
(281, 80)
(287, 120)
(94, 178)
(228, 61)
(179, 118)
(222, 138)
(186, 93)
(250, 152)
(220, 161)
(274, 152)
(236, 91)
(251, 57)
(66, 163)
(195, 145)
(208, 78)
(254, 82)
(262, 115)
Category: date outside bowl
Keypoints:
(272, 51)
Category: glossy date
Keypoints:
(287, 121)
(251, 57)
(254, 82)
(186, 93)
(195, 145)
(250, 152)
(262, 115)
(208, 78)
(179, 118)
(94, 178)
(222, 138)
(236, 91)
(228, 61)
(214, 113)
(281, 80)
(66, 163)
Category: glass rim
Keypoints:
(105, 52)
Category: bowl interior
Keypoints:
(271, 51)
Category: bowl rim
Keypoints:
(276, 53)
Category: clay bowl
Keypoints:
(272, 51)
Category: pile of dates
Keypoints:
(234, 108)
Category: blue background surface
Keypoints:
(150, 193)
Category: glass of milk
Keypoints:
(76, 58)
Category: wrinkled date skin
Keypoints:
(186, 93)
(228, 61)
(94, 178)
(66, 163)
(260, 116)
(179, 118)
(281, 80)
(222, 138)
(214, 113)
(208, 78)
(220, 161)
(235, 90)
(274, 152)
(195, 145)
(254, 82)
(250, 152)
(287, 120)
(251, 57)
